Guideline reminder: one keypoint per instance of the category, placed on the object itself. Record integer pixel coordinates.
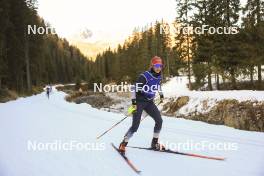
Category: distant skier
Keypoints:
(142, 99)
(48, 91)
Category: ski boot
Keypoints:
(155, 145)
(122, 147)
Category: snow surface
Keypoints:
(43, 120)
(178, 86)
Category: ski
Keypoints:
(181, 153)
(127, 160)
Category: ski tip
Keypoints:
(222, 159)
(216, 158)
(138, 172)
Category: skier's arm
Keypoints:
(141, 81)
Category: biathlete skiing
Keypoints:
(146, 86)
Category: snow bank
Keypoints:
(177, 87)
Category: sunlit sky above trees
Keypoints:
(107, 19)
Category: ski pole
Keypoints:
(131, 110)
(111, 127)
(120, 122)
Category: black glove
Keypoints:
(134, 102)
(161, 98)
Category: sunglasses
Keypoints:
(157, 65)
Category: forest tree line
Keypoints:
(222, 56)
(133, 57)
(34, 60)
